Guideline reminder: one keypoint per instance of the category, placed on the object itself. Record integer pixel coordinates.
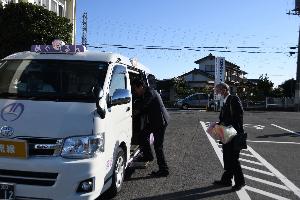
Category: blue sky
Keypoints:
(181, 28)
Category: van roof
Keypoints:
(80, 56)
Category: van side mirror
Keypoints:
(98, 93)
(120, 96)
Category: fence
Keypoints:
(284, 102)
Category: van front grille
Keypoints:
(43, 146)
(27, 177)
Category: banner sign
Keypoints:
(60, 49)
(219, 72)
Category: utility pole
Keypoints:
(296, 11)
(297, 89)
(84, 29)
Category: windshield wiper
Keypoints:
(28, 96)
(49, 96)
(46, 96)
(78, 97)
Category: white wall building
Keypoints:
(63, 8)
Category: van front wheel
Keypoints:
(118, 174)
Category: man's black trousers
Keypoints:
(232, 165)
(158, 147)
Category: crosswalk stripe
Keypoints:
(242, 194)
(288, 185)
(280, 176)
(250, 161)
(257, 170)
(267, 182)
(268, 194)
(249, 155)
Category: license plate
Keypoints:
(13, 148)
(7, 191)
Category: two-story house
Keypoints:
(63, 8)
(205, 74)
(204, 77)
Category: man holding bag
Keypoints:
(232, 115)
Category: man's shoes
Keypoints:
(222, 183)
(237, 187)
(160, 173)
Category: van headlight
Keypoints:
(83, 146)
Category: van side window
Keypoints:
(118, 80)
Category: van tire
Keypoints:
(118, 173)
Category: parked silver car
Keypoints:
(178, 103)
(197, 100)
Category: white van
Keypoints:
(66, 128)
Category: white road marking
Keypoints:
(280, 176)
(259, 127)
(257, 170)
(250, 161)
(286, 129)
(268, 194)
(244, 149)
(288, 185)
(267, 182)
(273, 142)
(242, 194)
(246, 125)
(245, 154)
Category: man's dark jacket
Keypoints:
(232, 113)
(155, 110)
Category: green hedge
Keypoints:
(24, 24)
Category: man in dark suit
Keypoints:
(157, 119)
(231, 114)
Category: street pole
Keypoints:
(297, 89)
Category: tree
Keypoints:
(288, 87)
(277, 92)
(263, 89)
(182, 88)
(24, 24)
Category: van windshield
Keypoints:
(59, 80)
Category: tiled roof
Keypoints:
(198, 71)
(227, 63)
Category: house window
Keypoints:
(45, 4)
(6, 2)
(54, 6)
(37, 2)
(60, 11)
(209, 68)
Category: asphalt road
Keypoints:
(271, 162)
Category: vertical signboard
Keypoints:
(219, 70)
(219, 77)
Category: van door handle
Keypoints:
(128, 108)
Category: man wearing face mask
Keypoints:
(231, 114)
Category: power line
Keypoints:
(246, 49)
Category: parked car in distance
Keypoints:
(178, 103)
(197, 100)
